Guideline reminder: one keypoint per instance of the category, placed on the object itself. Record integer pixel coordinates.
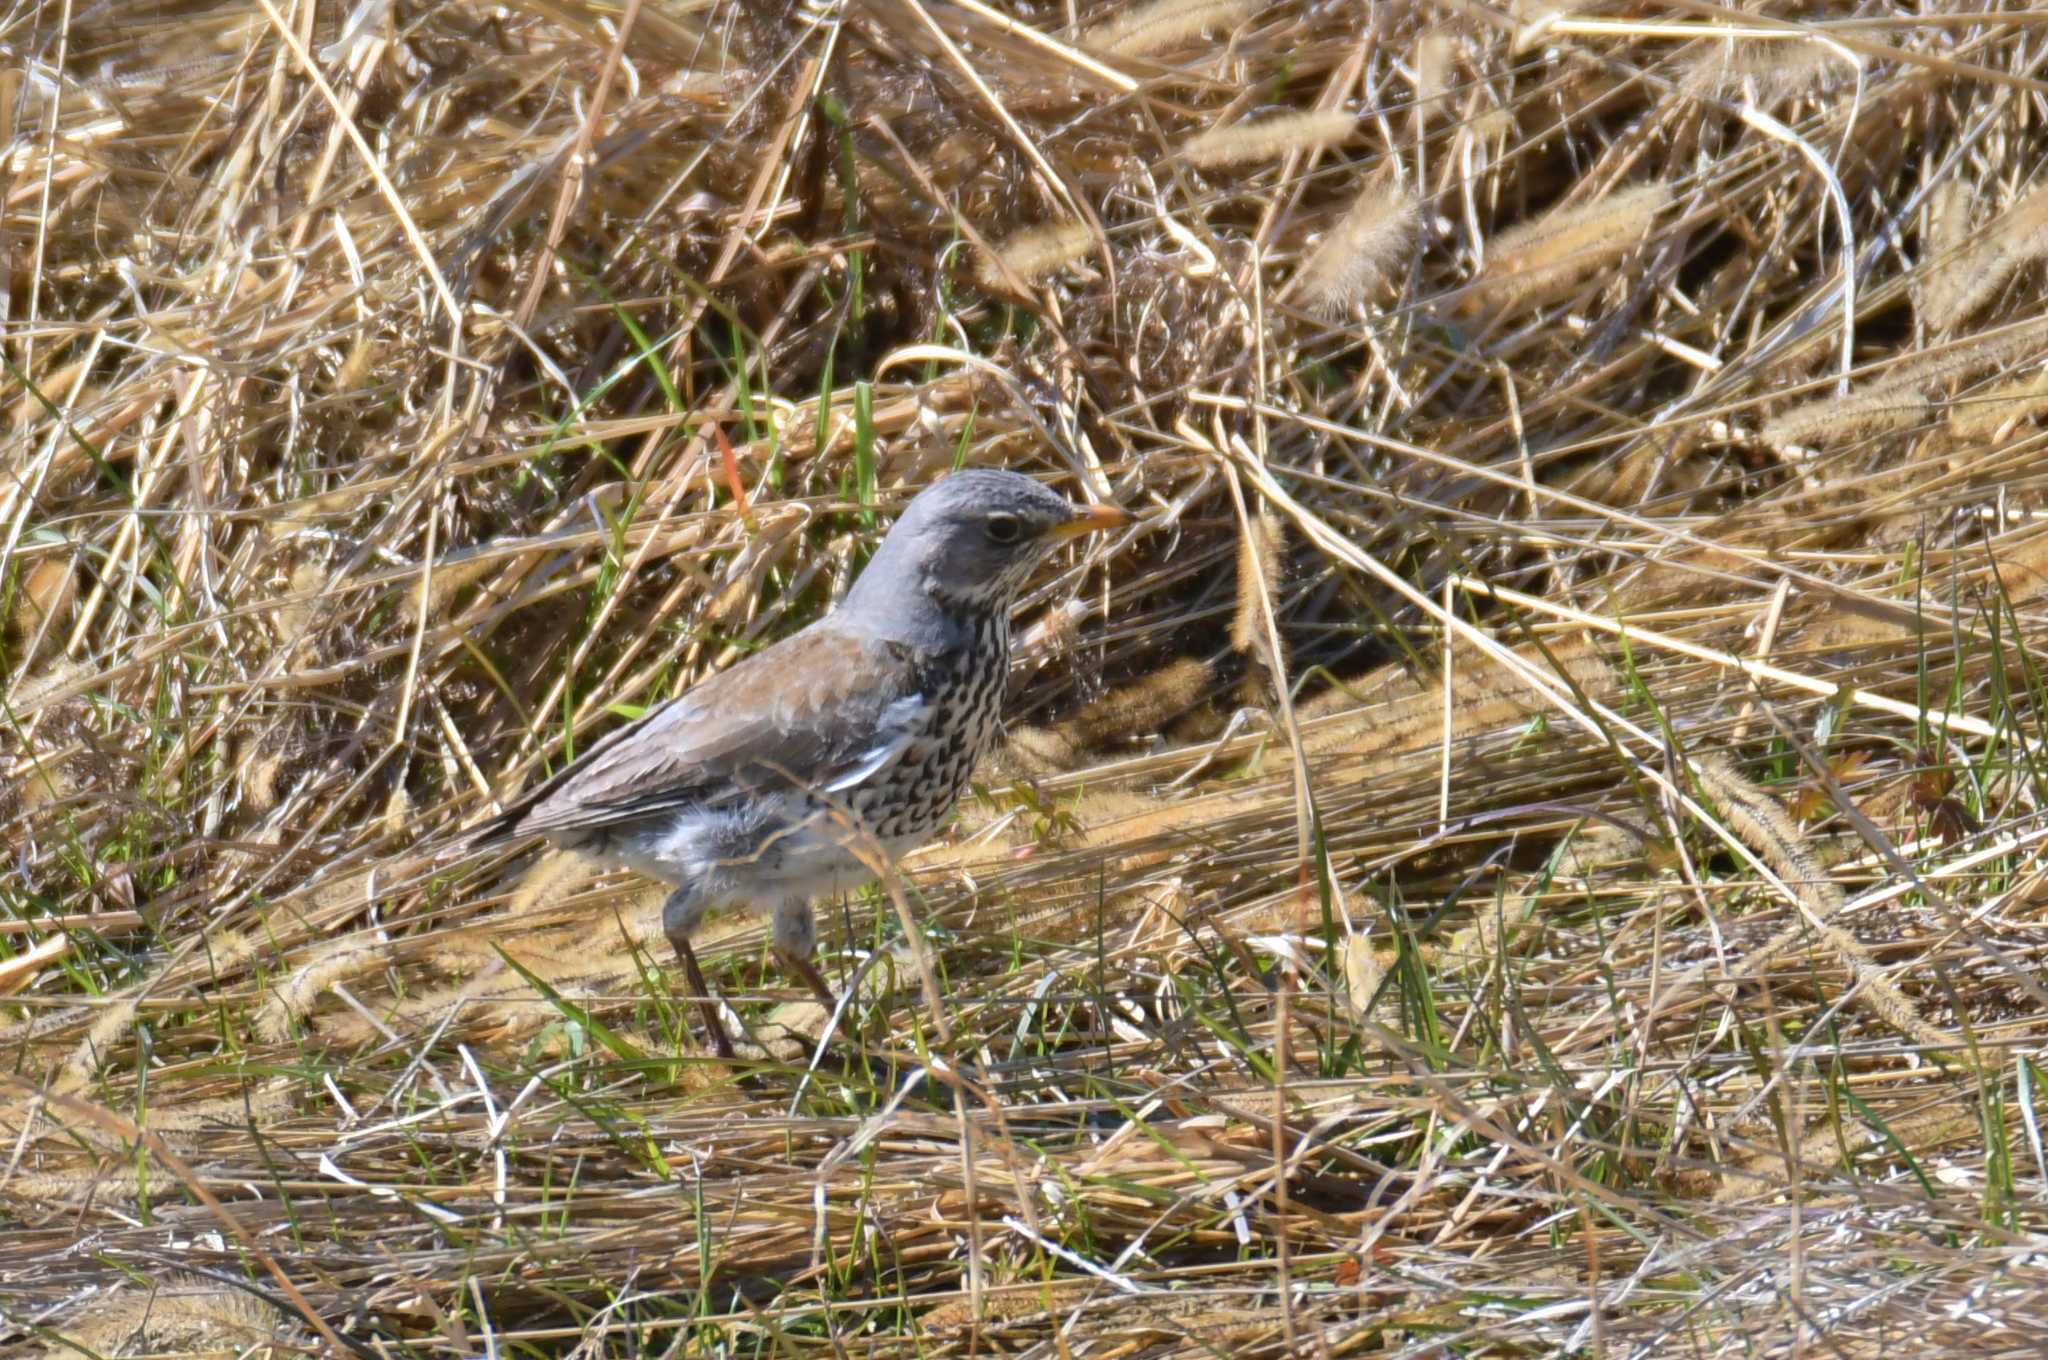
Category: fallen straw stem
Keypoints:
(1755, 669)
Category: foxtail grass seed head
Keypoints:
(1365, 976)
(291, 997)
(180, 1314)
(447, 580)
(1033, 253)
(112, 1023)
(57, 385)
(1761, 822)
(1434, 54)
(46, 591)
(1165, 24)
(1958, 275)
(263, 1103)
(1532, 262)
(1978, 416)
(1943, 284)
(2021, 232)
(1268, 139)
(1767, 71)
(1143, 705)
(1354, 256)
(1259, 567)
(398, 816)
(39, 688)
(1967, 358)
(1035, 752)
(1831, 421)
(549, 878)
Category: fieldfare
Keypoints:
(797, 771)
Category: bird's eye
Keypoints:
(1004, 529)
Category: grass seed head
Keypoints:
(1035, 252)
(1959, 274)
(1355, 255)
(1268, 139)
(1165, 24)
(1828, 422)
(1979, 416)
(47, 590)
(1533, 262)
(1435, 53)
(1770, 71)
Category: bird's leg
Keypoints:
(708, 1008)
(679, 917)
(808, 971)
(796, 939)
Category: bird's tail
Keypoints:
(499, 829)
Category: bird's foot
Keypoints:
(714, 1025)
(808, 971)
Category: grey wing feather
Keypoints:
(821, 709)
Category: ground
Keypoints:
(1532, 845)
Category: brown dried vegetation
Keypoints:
(1533, 846)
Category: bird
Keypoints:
(797, 771)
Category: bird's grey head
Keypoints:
(965, 546)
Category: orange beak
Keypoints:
(1089, 519)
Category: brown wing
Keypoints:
(815, 709)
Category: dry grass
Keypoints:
(1534, 848)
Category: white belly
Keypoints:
(758, 861)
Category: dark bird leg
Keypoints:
(679, 917)
(796, 940)
(720, 1044)
(808, 971)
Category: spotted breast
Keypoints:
(910, 799)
